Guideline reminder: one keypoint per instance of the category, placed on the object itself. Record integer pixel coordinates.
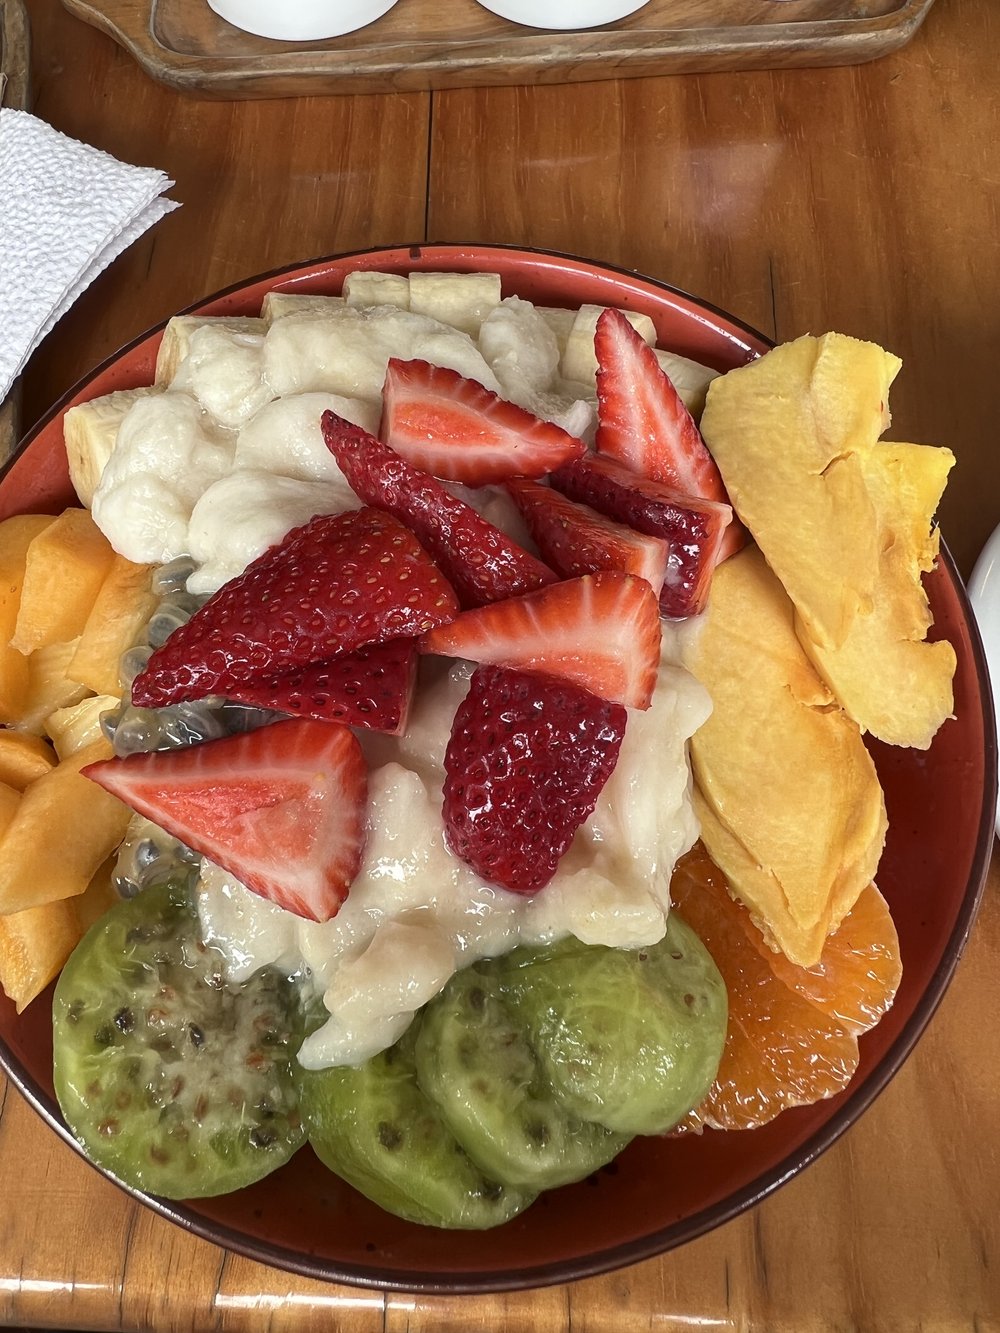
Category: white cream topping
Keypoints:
(521, 349)
(612, 886)
(346, 351)
(224, 370)
(285, 436)
(247, 511)
(523, 352)
(222, 466)
(254, 403)
(167, 453)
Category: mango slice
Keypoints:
(121, 611)
(787, 432)
(64, 828)
(23, 758)
(845, 522)
(789, 801)
(16, 536)
(49, 685)
(887, 677)
(66, 564)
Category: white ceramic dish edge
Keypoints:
(984, 594)
(563, 14)
(300, 20)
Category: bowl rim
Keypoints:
(691, 1227)
(415, 250)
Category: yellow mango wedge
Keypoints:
(50, 685)
(789, 800)
(121, 611)
(16, 535)
(64, 569)
(891, 681)
(845, 522)
(23, 758)
(64, 828)
(33, 944)
(789, 432)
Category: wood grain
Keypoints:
(15, 66)
(15, 56)
(424, 44)
(861, 199)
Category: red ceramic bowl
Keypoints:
(660, 1192)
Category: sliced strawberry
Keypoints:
(575, 539)
(643, 423)
(335, 585)
(482, 563)
(602, 632)
(694, 529)
(282, 808)
(527, 759)
(371, 688)
(453, 427)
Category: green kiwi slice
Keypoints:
(629, 1039)
(172, 1080)
(374, 1127)
(476, 1064)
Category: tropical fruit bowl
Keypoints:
(661, 1190)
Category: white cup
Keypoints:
(563, 13)
(300, 20)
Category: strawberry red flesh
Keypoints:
(575, 539)
(457, 429)
(481, 562)
(372, 688)
(601, 632)
(693, 528)
(338, 583)
(642, 421)
(527, 759)
(283, 808)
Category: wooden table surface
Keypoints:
(860, 199)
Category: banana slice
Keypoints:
(560, 322)
(223, 369)
(367, 288)
(347, 353)
(462, 300)
(690, 378)
(578, 359)
(176, 342)
(276, 305)
(90, 430)
(78, 725)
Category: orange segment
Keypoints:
(858, 974)
(781, 1050)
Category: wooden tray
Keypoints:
(14, 64)
(423, 44)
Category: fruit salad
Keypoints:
(435, 667)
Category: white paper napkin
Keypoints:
(66, 211)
